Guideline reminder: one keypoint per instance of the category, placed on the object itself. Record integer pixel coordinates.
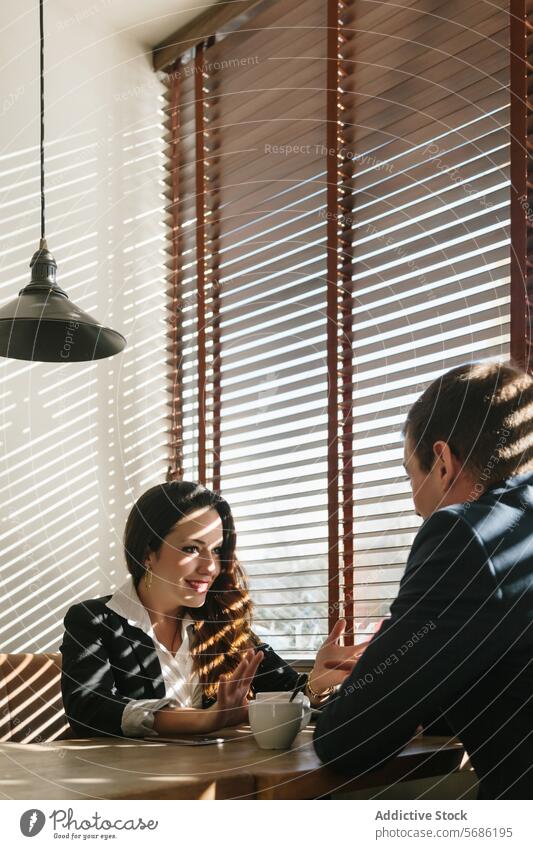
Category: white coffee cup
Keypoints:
(275, 724)
(285, 697)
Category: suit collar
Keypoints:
(143, 648)
(139, 632)
(127, 604)
(514, 482)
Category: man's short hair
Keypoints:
(484, 411)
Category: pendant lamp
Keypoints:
(42, 324)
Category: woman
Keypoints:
(172, 650)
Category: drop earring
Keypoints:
(148, 577)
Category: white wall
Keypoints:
(78, 442)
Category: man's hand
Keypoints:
(333, 661)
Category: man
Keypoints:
(459, 641)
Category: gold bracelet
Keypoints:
(315, 695)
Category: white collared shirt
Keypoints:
(182, 686)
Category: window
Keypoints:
(339, 211)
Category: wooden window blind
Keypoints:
(429, 224)
(339, 216)
(266, 192)
(521, 92)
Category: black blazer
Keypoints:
(459, 643)
(106, 662)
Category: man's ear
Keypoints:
(443, 455)
(439, 448)
(449, 464)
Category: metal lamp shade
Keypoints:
(43, 325)
(48, 327)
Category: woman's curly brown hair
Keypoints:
(223, 623)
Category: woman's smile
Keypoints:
(198, 586)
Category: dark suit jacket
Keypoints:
(459, 642)
(106, 662)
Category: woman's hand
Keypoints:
(231, 706)
(333, 661)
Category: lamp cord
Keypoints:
(41, 25)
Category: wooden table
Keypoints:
(102, 768)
